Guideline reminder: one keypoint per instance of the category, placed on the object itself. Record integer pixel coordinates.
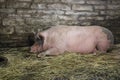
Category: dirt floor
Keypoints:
(21, 65)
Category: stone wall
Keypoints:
(26, 16)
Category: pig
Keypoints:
(78, 39)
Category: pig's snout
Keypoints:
(33, 50)
(36, 48)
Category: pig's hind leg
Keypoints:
(50, 52)
(103, 46)
(100, 48)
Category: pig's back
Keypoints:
(66, 29)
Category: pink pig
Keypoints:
(78, 39)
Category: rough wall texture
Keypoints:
(26, 16)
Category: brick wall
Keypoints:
(26, 16)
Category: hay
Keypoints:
(25, 66)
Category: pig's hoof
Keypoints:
(41, 55)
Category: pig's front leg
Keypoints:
(49, 52)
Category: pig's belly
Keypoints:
(82, 46)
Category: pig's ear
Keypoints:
(40, 39)
(34, 32)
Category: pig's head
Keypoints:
(38, 45)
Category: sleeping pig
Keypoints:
(79, 39)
